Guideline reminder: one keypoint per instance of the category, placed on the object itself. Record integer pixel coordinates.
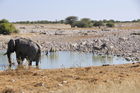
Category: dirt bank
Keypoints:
(103, 79)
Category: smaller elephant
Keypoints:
(24, 48)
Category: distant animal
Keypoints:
(24, 48)
(47, 52)
(100, 48)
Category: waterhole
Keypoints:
(66, 59)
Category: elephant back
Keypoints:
(27, 48)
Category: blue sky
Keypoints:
(22, 10)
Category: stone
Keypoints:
(60, 85)
(64, 82)
(128, 58)
(123, 38)
(39, 84)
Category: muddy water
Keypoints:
(66, 59)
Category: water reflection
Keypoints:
(53, 56)
(67, 59)
(102, 58)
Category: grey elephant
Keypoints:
(24, 48)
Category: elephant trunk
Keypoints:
(9, 59)
(11, 49)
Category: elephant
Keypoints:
(24, 48)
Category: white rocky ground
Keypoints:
(117, 41)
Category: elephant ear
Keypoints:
(11, 45)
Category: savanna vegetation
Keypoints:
(74, 21)
(6, 27)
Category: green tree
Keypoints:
(71, 20)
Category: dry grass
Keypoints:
(127, 86)
(128, 28)
(102, 79)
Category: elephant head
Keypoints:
(10, 49)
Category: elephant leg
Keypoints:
(10, 63)
(30, 63)
(37, 63)
(22, 60)
(9, 59)
(18, 60)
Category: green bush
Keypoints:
(83, 23)
(4, 21)
(98, 23)
(110, 24)
(7, 28)
(78, 24)
(87, 22)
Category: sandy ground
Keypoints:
(102, 79)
